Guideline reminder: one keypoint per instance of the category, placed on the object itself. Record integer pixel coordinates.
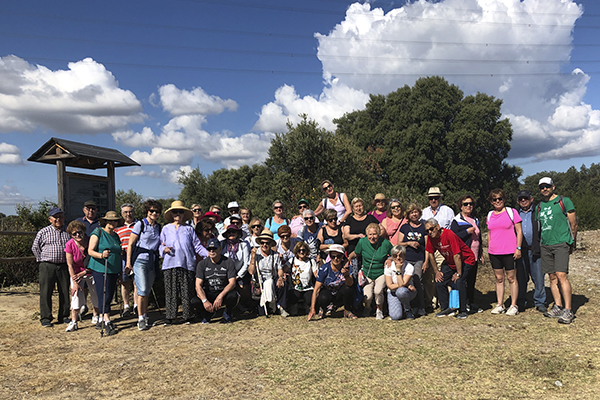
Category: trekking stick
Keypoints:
(104, 297)
(156, 301)
(262, 291)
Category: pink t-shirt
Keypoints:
(71, 248)
(503, 239)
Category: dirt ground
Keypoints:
(483, 357)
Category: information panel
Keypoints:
(82, 188)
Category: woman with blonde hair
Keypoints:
(393, 221)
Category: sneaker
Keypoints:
(110, 329)
(329, 310)
(462, 315)
(446, 312)
(126, 312)
(421, 312)
(554, 312)
(83, 310)
(379, 314)
(72, 326)
(205, 321)
(566, 317)
(474, 308)
(409, 314)
(66, 320)
(512, 310)
(542, 308)
(94, 319)
(227, 318)
(99, 324)
(46, 323)
(168, 322)
(499, 309)
(282, 312)
(142, 325)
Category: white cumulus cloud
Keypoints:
(10, 154)
(85, 98)
(160, 156)
(183, 102)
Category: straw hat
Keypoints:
(379, 196)
(178, 205)
(112, 216)
(266, 234)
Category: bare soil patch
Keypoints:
(483, 357)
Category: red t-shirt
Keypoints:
(448, 244)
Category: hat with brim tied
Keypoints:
(178, 205)
(266, 235)
(112, 216)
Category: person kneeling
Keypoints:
(400, 284)
(215, 283)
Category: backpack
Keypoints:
(561, 202)
(509, 211)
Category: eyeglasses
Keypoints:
(379, 201)
(326, 188)
(433, 198)
(309, 218)
(77, 233)
(467, 203)
(176, 212)
(91, 208)
(197, 210)
(234, 211)
(523, 198)
(545, 186)
(126, 212)
(255, 226)
(153, 212)
(497, 199)
(336, 256)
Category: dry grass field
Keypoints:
(484, 357)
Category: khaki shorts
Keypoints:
(555, 258)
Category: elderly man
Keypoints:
(49, 250)
(90, 217)
(215, 283)
(558, 225)
(458, 263)
(529, 265)
(128, 214)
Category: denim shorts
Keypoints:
(143, 276)
(126, 276)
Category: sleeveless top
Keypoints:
(338, 207)
(393, 229)
(337, 239)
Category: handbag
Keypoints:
(362, 279)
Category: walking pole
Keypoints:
(104, 297)
(156, 301)
(262, 291)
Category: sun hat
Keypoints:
(379, 196)
(434, 191)
(337, 248)
(178, 205)
(230, 228)
(112, 216)
(267, 235)
(209, 214)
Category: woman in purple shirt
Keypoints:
(180, 249)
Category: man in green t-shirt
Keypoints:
(558, 229)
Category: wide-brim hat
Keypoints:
(112, 216)
(379, 196)
(336, 248)
(266, 234)
(178, 205)
(209, 214)
(232, 228)
(434, 191)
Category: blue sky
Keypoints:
(180, 84)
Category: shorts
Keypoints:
(143, 276)
(126, 277)
(503, 261)
(555, 258)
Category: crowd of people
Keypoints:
(399, 261)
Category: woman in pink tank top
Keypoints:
(394, 220)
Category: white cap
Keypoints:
(233, 204)
(546, 180)
(338, 248)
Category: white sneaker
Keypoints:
(72, 326)
(378, 314)
(499, 309)
(94, 320)
(512, 310)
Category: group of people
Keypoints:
(395, 260)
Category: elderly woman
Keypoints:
(181, 250)
(466, 227)
(219, 223)
(303, 273)
(309, 234)
(335, 201)
(331, 233)
(380, 211)
(277, 220)
(393, 221)
(504, 248)
(399, 281)
(197, 215)
(334, 285)
(238, 250)
(256, 227)
(246, 215)
(267, 265)
(75, 250)
(205, 231)
(374, 251)
(142, 258)
(285, 245)
(355, 227)
(412, 236)
(105, 251)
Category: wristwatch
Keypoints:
(398, 272)
(518, 247)
(205, 300)
(457, 274)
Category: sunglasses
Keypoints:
(429, 230)
(434, 198)
(255, 226)
(395, 207)
(497, 199)
(332, 220)
(78, 233)
(301, 206)
(336, 256)
(467, 203)
(326, 188)
(545, 186)
(216, 212)
(302, 251)
(265, 243)
(309, 218)
(523, 198)
(153, 212)
(197, 210)
(212, 249)
(379, 201)
(285, 236)
(278, 208)
(175, 212)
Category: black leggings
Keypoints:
(294, 296)
(344, 296)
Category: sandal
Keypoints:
(350, 315)
(320, 314)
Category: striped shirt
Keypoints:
(49, 245)
(124, 233)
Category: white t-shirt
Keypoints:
(407, 269)
(303, 274)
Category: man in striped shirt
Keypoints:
(49, 250)
(124, 232)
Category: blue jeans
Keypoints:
(143, 276)
(526, 267)
(398, 301)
